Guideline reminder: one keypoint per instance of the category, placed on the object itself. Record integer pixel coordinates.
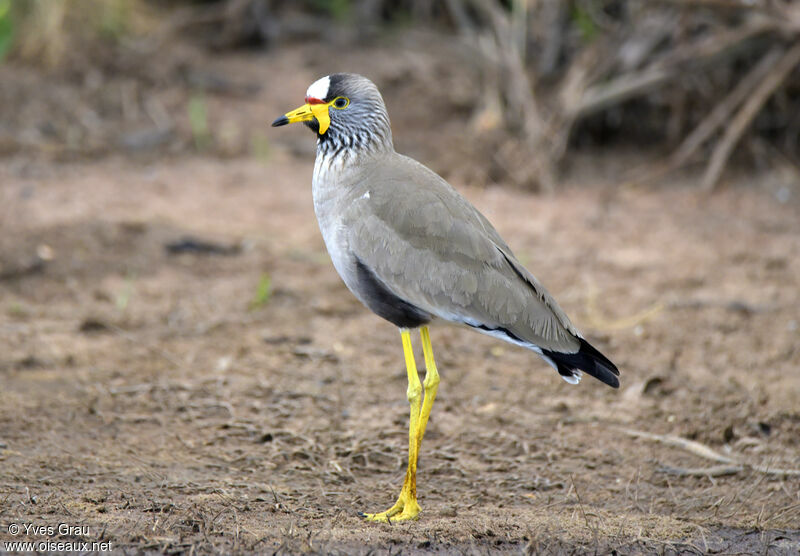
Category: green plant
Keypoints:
(263, 292)
(6, 28)
(123, 298)
(198, 120)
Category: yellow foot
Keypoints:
(403, 510)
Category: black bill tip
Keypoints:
(283, 120)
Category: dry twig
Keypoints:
(713, 471)
(705, 452)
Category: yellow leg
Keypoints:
(406, 506)
(431, 384)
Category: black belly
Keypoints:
(384, 303)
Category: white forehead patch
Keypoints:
(319, 88)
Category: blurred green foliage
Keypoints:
(44, 31)
(6, 28)
(115, 18)
(585, 23)
(338, 9)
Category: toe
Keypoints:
(382, 517)
(385, 517)
(406, 513)
(405, 516)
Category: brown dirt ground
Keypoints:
(146, 396)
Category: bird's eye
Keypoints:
(341, 102)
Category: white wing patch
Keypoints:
(319, 88)
(576, 374)
(575, 378)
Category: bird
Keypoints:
(414, 251)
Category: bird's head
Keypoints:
(344, 109)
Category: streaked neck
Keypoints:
(336, 152)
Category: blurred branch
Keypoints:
(608, 71)
(745, 115)
(632, 84)
(715, 119)
(503, 61)
(552, 13)
(722, 111)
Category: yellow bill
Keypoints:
(307, 112)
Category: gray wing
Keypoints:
(430, 247)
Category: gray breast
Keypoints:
(334, 199)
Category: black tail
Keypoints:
(586, 359)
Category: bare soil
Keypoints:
(154, 396)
